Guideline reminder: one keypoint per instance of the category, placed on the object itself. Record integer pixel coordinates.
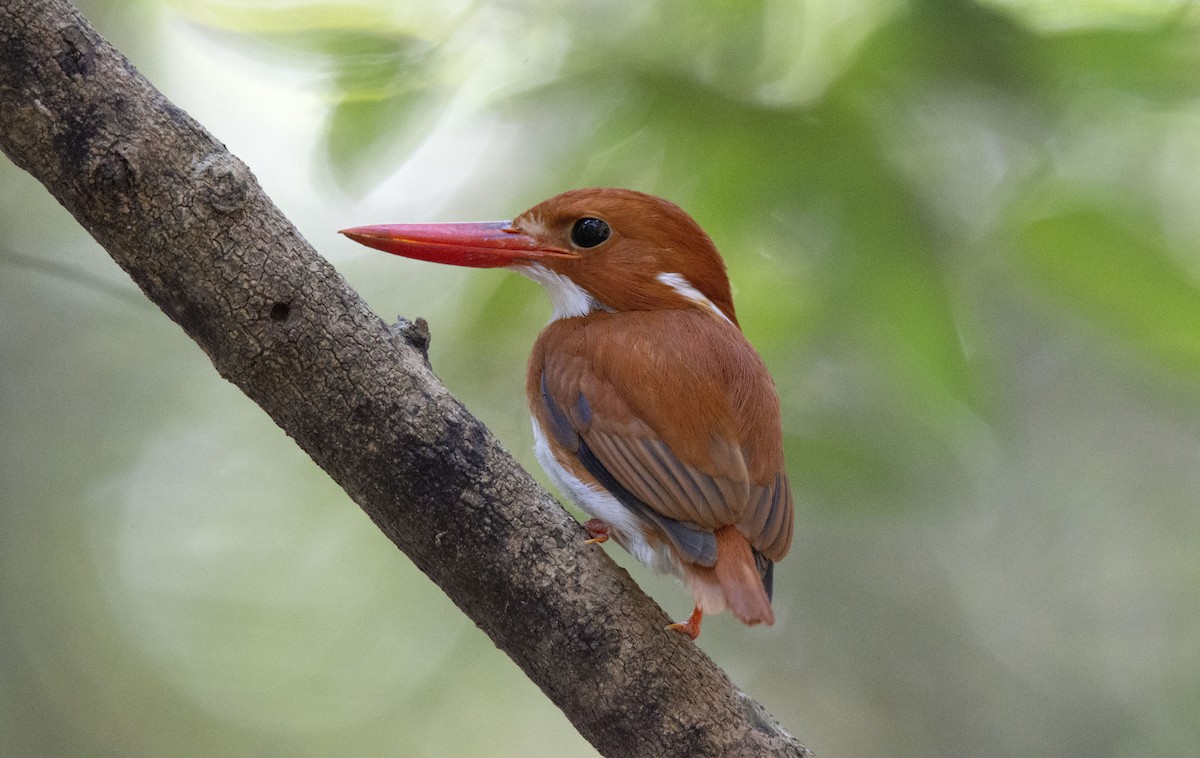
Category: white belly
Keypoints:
(597, 502)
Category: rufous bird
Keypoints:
(651, 410)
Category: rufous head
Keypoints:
(592, 249)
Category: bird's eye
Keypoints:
(589, 232)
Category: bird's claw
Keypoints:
(597, 531)
(691, 627)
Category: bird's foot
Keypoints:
(691, 627)
(597, 530)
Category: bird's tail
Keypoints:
(734, 582)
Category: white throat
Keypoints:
(567, 297)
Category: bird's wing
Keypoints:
(673, 428)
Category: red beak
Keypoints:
(489, 244)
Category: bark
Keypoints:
(190, 224)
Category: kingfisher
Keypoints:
(651, 411)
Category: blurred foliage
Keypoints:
(962, 234)
(378, 73)
(1120, 273)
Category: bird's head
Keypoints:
(592, 249)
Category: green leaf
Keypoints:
(1160, 61)
(1122, 275)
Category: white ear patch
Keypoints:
(682, 287)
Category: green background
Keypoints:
(963, 236)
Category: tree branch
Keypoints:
(194, 230)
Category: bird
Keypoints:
(651, 410)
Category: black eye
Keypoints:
(589, 232)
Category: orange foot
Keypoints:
(597, 530)
(691, 627)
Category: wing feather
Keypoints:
(693, 544)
